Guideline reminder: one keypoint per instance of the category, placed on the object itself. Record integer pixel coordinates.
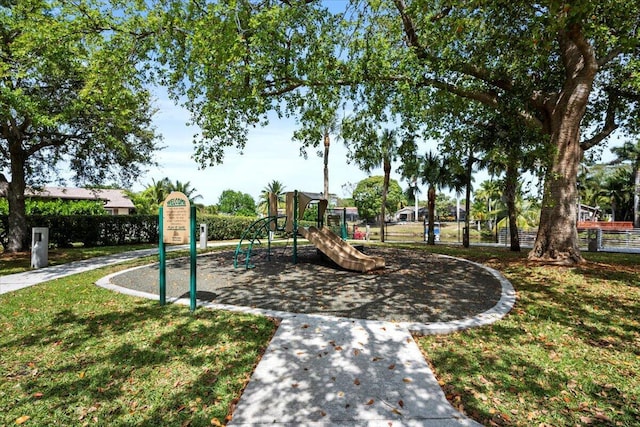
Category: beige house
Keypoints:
(115, 201)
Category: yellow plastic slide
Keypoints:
(339, 251)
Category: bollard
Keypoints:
(203, 236)
(39, 247)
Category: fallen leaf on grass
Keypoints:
(23, 419)
(216, 422)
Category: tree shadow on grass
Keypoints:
(143, 365)
(568, 345)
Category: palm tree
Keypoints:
(630, 152)
(372, 151)
(275, 187)
(388, 147)
(184, 188)
(157, 191)
(617, 189)
(327, 143)
(590, 180)
(490, 192)
(436, 174)
(411, 194)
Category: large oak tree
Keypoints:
(569, 69)
(72, 96)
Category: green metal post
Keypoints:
(192, 282)
(163, 260)
(295, 227)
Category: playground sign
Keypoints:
(176, 216)
(177, 225)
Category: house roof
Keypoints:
(406, 209)
(112, 198)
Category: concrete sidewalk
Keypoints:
(322, 371)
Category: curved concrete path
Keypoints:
(327, 371)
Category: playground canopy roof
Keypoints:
(304, 198)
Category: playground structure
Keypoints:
(322, 237)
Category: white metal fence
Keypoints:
(592, 240)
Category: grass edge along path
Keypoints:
(568, 354)
(76, 354)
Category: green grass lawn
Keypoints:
(75, 354)
(568, 354)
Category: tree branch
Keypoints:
(463, 67)
(55, 140)
(609, 124)
(409, 28)
(609, 57)
(484, 97)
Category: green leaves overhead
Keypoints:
(71, 82)
(73, 94)
(232, 62)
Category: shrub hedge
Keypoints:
(111, 230)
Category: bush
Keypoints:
(91, 230)
(222, 227)
(112, 230)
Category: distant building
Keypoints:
(407, 214)
(351, 213)
(115, 201)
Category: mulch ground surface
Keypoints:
(413, 287)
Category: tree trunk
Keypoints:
(327, 142)
(431, 207)
(614, 207)
(385, 189)
(557, 239)
(467, 202)
(636, 200)
(17, 233)
(510, 189)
